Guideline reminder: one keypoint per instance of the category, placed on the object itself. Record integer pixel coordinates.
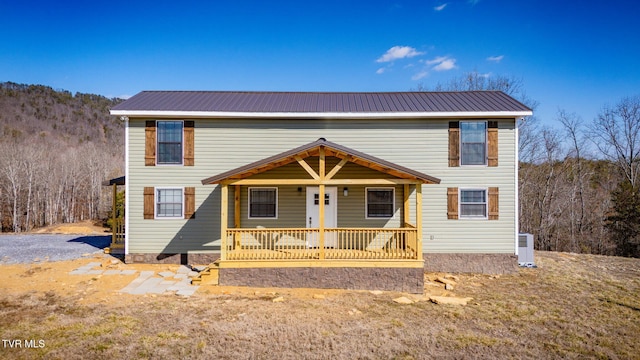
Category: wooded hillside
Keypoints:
(56, 148)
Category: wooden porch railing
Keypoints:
(304, 244)
(117, 233)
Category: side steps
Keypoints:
(208, 276)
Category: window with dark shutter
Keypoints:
(473, 203)
(473, 143)
(169, 148)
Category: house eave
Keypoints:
(319, 115)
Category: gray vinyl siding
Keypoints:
(222, 145)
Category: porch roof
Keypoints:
(330, 149)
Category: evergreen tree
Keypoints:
(624, 224)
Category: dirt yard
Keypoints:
(572, 306)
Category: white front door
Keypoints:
(330, 214)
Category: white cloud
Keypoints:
(399, 52)
(445, 65)
(441, 7)
(442, 63)
(420, 75)
(495, 58)
(437, 60)
(380, 71)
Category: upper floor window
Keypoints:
(169, 142)
(473, 142)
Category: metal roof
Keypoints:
(307, 150)
(149, 102)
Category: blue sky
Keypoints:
(574, 55)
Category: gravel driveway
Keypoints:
(27, 248)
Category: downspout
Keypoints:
(517, 176)
(126, 184)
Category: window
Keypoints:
(169, 203)
(170, 142)
(473, 203)
(263, 202)
(473, 142)
(380, 203)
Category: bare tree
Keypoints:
(616, 133)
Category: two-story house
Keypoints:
(309, 189)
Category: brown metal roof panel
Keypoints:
(322, 102)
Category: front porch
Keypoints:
(322, 168)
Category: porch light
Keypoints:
(345, 191)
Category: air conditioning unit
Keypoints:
(525, 250)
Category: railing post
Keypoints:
(224, 219)
(114, 227)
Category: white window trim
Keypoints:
(158, 143)
(156, 199)
(486, 143)
(486, 204)
(249, 202)
(366, 203)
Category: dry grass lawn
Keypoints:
(572, 306)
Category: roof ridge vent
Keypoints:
(322, 139)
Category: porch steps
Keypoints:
(208, 276)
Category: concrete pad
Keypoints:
(128, 272)
(166, 274)
(146, 274)
(183, 269)
(133, 285)
(111, 272)
(180, 276)
(187, 292)
(149, 285)
(94, 272)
